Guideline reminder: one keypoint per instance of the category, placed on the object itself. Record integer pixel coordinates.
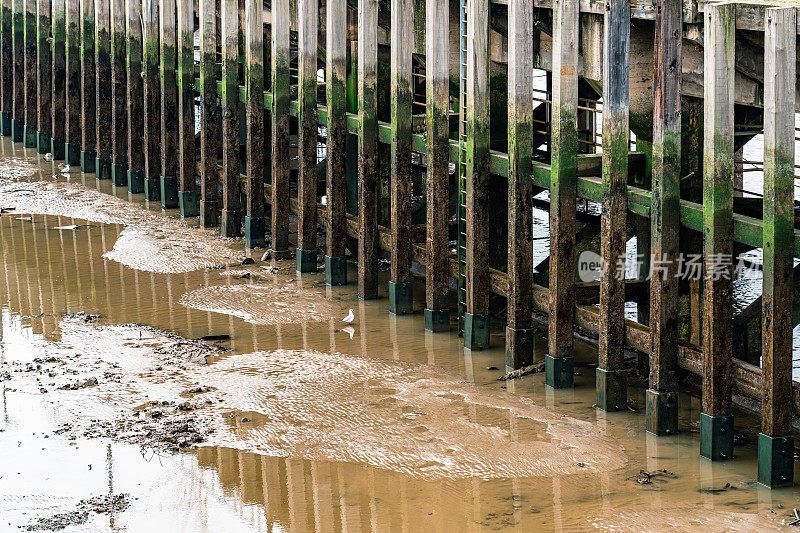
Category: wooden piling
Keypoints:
(280, 127)
(367, 149)
(716, 420)
(307, 22)
(662, 395)
(254, 221)
(30, 75)
(519, 334)
(187, 190)
(775, 444)
(610, 376)
(401, 294)
(231, 225)
(73, 140)
(152, 101)
(6, 67)
(43, 83)
(563, 189)
(169, 105)
(119, 108)
(135, 98)
(88, 86)
(335, 183)
(58, 80)
(476, 318)
(103, 89)
(209, 114)
(437, 99)
(18, 49)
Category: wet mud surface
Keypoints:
(144, 386)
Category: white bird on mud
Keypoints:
(349, 330)
(64, 168)
(349, 318)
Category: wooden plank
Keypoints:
(88, 83)
(6, 66)
(717, 209)
(103, 88)
(255, 229)
(135, 98)
(563, 183)
(152, 100)
(280, 127)
(402, 43)
(19, 70)
(44, 69)
(209, 115)
(30, 74)
(231, 225)
(336, 183)
(187, 189)
(119, 110)
(779, 95)
(519, 335)
(73, 140)
(58, 78)
(307, 20)
(170, 166)
(367, 149)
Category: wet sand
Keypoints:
(296, 425)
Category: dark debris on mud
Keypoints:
(85, 509)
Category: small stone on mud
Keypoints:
(248, 261)
(245, 419)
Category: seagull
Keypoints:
(64, 168)
(349, 318)
(349, 330)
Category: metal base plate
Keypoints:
(255, 232)
(43, 142)
(102, 168)
(57, 149)
(476, 331)
(559, 372)
(306, 260)
(612, 393)
(5, 123)
(662, 412)
(209, 214)
(437, 320)
(335, 271)
(119, 174)
(72, 154)
(519, 347)
(775, 461)
(88, 160)
(716, 437)
(30, 136)
(17, 130)
(187, 204)
(401, 298)
(152, 190)
(230, 224)
(169, 192)
(135, 181)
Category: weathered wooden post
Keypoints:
(307, 22)
(716, 419)
(209, 114)
(437, 99)
(18, 50)
(559, 361)
(401, 289)
(103, 89)
(58, 80)
(610, 376)
(254, 220)
(72, 142)
(519, 334)
(152, 101)
(30, 75)
(336, 184)
(135, 98)
(775, 442)
(280, 127)
(367, 149)
(169, 105)
(187, 190)
(45, 71)
(6, 68)
(88, 85)
(119, 108)
(231, 224)
(662, 394)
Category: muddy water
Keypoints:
(378, 428)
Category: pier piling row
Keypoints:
(429, 133)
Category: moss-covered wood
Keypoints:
(73, 72)
(58, 78)
(254, 115)
(44, 69)
(209, 115)
(103, 85)
(280, 125)
(31, 71)
(170, 164)
(307, 22)
(152, 98)
(88, 86)
(119, 79)
(135, 97)
(18, 29)
(6, 64)
(231, 205)
(186, 126)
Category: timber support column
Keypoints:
(169, 106)
(88, 82)
(254, 222)
(437, 109)
(103, 89)
(367, 149)
(307, 21)
(18, 48)
(401, 289)
(281, 158)
(187, 190)
(45, 70)
(209, 115)
(336, 181)
(6, 67)
(775, 442)
(519, 333)
(662, 393)
(716, 419)
(477, 322)
(231, 224)
(135, 101)
(58, 79)
(30, 74)
(152, 102)
(119, 111)
(73, 141)
(559, 362)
